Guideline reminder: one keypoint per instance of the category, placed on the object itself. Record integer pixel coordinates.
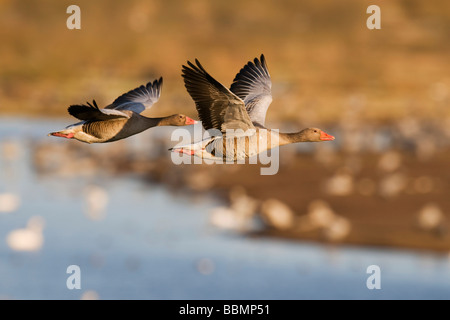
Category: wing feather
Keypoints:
(253, 85)
(91, 112)
(217, 106)
(140, 98)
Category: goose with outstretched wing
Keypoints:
(238, 113)
(120, 119)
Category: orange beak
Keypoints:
(326, 137)
(62, 135)
(182, 150)
(190, 121)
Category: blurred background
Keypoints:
(140, 227)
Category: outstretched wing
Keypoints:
(139, 99)
(91, 112)
(253, 85)
(217, 107)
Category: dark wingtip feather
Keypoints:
(95, 106)
(158, 82)
(192, 70)
(75, 110)
(70, 109)
(153, 87)
(193, 66)
(264, 62)
(187, 68)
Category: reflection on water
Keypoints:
(137, 241)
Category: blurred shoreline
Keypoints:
(300, 207)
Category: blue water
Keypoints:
(151, 244)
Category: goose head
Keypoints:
(312, 135)
(177, 120)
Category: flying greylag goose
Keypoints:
(120, 119)
(241, 111)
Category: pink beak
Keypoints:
(62, 135)
(326, 137)
(190, 121)
(182, 150)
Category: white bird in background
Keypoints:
(29, 238)
(90, 295)
(239, 214)
(430, 217)
(9, 202)
(277, 214)
(96, 202)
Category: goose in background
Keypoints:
(121, 119)
(241, 109)
(9, 202)
(27, 239)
